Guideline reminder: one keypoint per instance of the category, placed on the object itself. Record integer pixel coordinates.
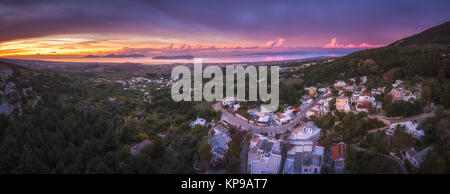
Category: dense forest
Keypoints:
(61, 136)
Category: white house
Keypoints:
(306, 132)
(228, 101)
(281, 118)
(198, 121)
(339, 84)
(236, 107)
(408, 127)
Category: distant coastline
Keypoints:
(174, 57)
(115, 56)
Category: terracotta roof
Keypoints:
(255, 139)
(338, 151)
(294, 108)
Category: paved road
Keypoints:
(231, 118)
(420, 118)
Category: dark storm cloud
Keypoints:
(371, 21)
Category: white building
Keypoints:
(228, 101)
(304, 159)
(198, 121)
(307, 132)
(408, 127)
(339, 84)
(264, 155)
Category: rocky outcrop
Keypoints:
(6, 108)
(16, 93)
(13, 101)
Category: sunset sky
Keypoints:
(62, 30)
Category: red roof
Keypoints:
(255, 139)
(294, 108)
(338, 151)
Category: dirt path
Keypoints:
(400, 163)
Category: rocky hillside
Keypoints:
(16, 91)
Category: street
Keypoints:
(229, 117)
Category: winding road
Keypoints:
(231, 118)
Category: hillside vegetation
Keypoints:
(424, 58)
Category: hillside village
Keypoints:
(289, 141)
(372, 118)
(141, 85)
(319, 133)
(311, 87)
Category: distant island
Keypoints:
(115, 56)
(174, 57)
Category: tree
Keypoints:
(402, 140)
(204, 153)
(373, 150)
(10, 153)
(351, 165)
(332, 105)
(426, 93)
(232, 157)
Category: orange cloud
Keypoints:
(272, 44)
(335, 44)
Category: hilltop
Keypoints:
(423, 57)
(438, 35)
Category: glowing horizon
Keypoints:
(59, 29)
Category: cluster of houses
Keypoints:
(261, 116)
(137, 84)
(140, 83)
(360, 97)
(320, 108)
(399, 92)
(304, 156)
